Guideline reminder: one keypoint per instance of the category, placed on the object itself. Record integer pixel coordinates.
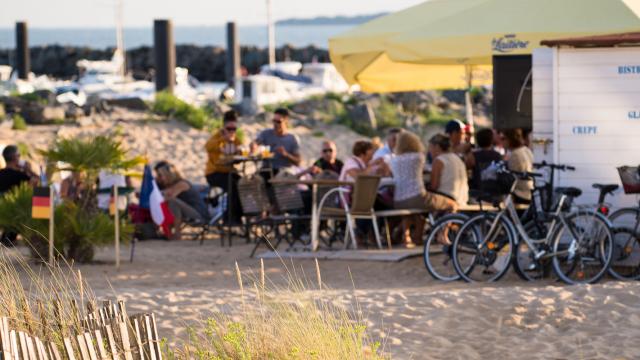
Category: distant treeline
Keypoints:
(331, 20)
(205, 63)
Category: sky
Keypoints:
(140, 13)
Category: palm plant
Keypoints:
(88, 156)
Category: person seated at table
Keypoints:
(182, 198)
(448, 173)
(220, 146)
(284, 145)
(327, 163)
(519, 158)
(71, 186)
(456, 130)
(480, 158)
(16, 170)
(407, 169)
(386, 151)
(361, 162)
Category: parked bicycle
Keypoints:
(579, 243)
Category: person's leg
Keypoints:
(418, 229)
(181, 211)
(221, 180)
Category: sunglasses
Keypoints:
(231, 128)
(327, 151)
(277, 122)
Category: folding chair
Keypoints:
(255, 205)
(363, 197)
(291, 213)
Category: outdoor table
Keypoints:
(232, 161)
(315, 216)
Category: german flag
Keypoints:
(112, 206)
(41, 203)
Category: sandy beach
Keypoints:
(414, 316)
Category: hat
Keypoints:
(454, 125)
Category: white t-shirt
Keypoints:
(109, 180)
(407, 175)
(453, 180)
(521, 159)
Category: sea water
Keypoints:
(296, 35)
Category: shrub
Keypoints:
(19, 123)
(387, 114)
(168, 104)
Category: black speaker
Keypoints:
(512, 84)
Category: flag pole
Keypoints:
(116, 218)
(51, 221)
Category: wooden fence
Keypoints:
(106, 333)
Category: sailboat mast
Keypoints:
(271, 36)
(120, 37)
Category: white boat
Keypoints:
(289, 81)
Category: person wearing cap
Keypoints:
(223, 144)
(16, 171)
(455, 130)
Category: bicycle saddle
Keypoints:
(569, 191)
(607, 188)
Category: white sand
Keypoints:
(415, 316)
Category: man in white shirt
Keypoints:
(386, 151)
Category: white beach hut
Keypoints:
(586, 109)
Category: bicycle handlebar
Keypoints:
(560, 167)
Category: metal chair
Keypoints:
(363, 197)
(290, 213)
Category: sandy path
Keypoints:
(415, 316)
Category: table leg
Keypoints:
(229, 207)
(315, 220)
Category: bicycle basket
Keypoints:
(630, 177)
(495, 180)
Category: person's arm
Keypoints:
(176, 189)
(436, 173)
(470, 160)
(64, 189)
(294, 159)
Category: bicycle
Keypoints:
(436, 254)
(576, 242)
(625, 264)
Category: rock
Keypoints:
(247, 108)
(127, 103)
(363, 116)
(47, 96)
(263, 117)
(41, 114)
(84, 121)
(72, 111)
(415, 101)
(455, 96)
(218, 108)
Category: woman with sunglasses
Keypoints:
(220, 146)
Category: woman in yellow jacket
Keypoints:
(223, 144)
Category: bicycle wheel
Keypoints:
(582, 248)
(625, 260)
(625, 217)
(437, 257)
(483, 248)
(525, 264)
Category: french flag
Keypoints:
(151, 198)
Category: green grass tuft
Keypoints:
(19, 123)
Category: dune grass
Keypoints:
(42, 301)
(296, 321)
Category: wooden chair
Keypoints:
(363, 197)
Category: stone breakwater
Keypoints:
(205, 63)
